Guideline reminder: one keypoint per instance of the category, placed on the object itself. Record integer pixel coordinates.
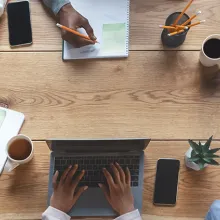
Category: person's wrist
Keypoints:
(64, 9)
(59, 208)
(126, 210)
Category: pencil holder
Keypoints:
(178, 39)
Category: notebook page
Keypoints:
(109, 19)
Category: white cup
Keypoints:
(204, 59)
(11, 163)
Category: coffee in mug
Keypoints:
(210, 52)
(20, 150)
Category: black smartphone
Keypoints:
(19, 23)
(166, 183)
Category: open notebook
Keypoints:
(110, 21)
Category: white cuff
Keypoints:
(134, 215)
(52, 213)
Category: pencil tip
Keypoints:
(198, 12)
(203, 21)
(160, 25)
(58, 25)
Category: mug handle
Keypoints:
(10, 165)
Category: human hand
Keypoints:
(118, 193)
(70, 18)
(65, 194)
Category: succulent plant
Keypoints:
(202, 154)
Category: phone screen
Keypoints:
(165, 191)
(19, 23)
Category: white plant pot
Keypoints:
(190, 164)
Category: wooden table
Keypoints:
(23, 193)
(157, 92)
(154, 93)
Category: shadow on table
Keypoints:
(209, 79)
(22, 178)
(90, 64)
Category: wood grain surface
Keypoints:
(154, 93)
(145, 17)
(161, 95)
(23, 192)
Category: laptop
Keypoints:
(92, 156)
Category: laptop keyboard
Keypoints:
(93, 166)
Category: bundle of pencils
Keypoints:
(175, 29)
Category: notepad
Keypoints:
(110, 22)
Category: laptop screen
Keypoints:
(111, 145)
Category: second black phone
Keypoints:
(166, 183)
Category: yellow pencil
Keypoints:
(194, 24)
(167, 27)
(190, 19)
(74, 32)
(182, 27)
(184, 10)
(176, 32)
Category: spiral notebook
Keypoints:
(110, 21)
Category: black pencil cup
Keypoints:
(178, 39)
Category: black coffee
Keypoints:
(212, 48)
(20, 149)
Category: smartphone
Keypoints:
(166, 183)
(19, 23)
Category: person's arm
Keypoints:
(65, 194)
(214, 211)
(55, 5)
(119, 194)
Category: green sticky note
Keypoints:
(114, 38)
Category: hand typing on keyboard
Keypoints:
(115, 182)
(65, 194)
(118, 193)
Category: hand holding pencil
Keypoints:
(75, 32)
(69, 20)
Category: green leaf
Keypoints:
(193, 153)
(212, 151)
(206, 160)
(210, 156)
(201, 165)
(194, 159)
(195, 146)
(206, 146)
(213, 162)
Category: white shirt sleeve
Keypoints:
(54, 214)
(134, 215)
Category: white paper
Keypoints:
(99, 12)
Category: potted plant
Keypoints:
(200, 155)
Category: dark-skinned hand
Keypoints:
(118, 193)
(65, 193)
(70, 18)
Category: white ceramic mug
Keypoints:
(11, 163)
(204, 59)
